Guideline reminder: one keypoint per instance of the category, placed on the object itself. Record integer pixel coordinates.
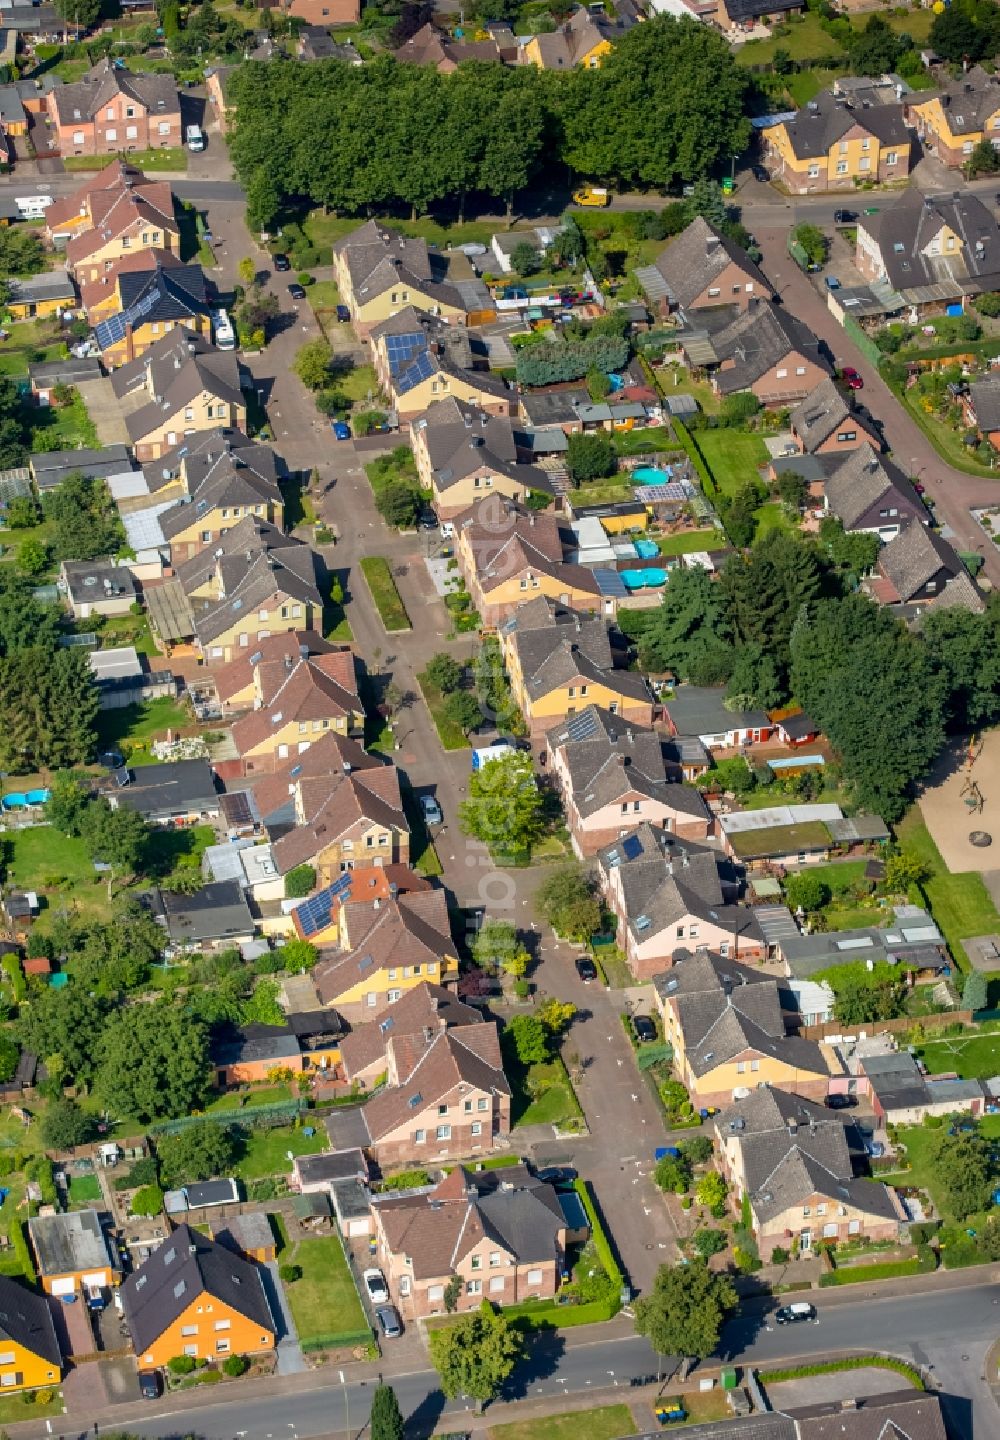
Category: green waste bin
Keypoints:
(728, 1378)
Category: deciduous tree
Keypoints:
(201, 1151)
(476, 1355)
(152, 1062)
(685, 1311)
(505, 808)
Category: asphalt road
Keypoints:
(948, 1331)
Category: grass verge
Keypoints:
(960, 904)
(324, 1302)
(605, 1422)
(382, 588)
(169, 158)
(452, 736)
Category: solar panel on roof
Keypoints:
(582, 727)
(609, 582)
(421, 369)
(631, 847)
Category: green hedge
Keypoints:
(601, 1245)
(697, 458)
(852, 1362)
(547, 1315)
(19, 1242)
(340, 1341)
(919, 1265)
(251, 1117)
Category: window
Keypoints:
(496, 1284)
(467, 1107)
(11, 1378)
(680, 932)
(496, 1260)
(189, 413)
(443, 1132)
(371, 999)
(474, 1287)
(866, 144)
(404, 1284)
(442, 1109)
(820, 1209)
(109, 113)
(477, 1128)
(864, 163)
(477, 1262)
(394, 973)
(164, 127)
(8, 1357)
(741, 1067)
(480, 1104)
(111, 135)
(754, 1064)
(419, 1136)
(434, 1292)
(806, 1211)
(222, 1347)
(967, 148)
(189, 1329)
(800, 369)
(206, 537)
(891, 158)
(846, 437)
(781, 374)
(813, 172)
(692, 932)
(841, 167)
(191, 1350)
(714, 291)
(77, 137)
(393, 996)
(534, 1277)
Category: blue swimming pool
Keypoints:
(650, 475)
(643, 579)
(647, 549)
(20, 800)
(38, 797)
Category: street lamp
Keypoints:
(347, 1406)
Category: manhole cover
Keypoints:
(982, 838)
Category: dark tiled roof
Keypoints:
(759, 339)
(901, 1415)
(823, 412)
(864, 480)
(25, 1319)
(914, 557)
(828, 118)
(106, 83)
(697, 256)
(908, 232)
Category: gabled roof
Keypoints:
(273, 796)
(507, 539)
(172, 373)
(462, 440)
(152, 257)
(379, 258)
(701, 710)
(561, 647)
(186, 1266)
(757, 340)
(827, 118)
(515, 1210)
(863, 481)
(419, 345)
(173, 292)
(238, 675)
(332, 807)
(106, 83)
(427, 1071)
(900, 1415)
(119, 208)
(200, 457)
(907, 235)
(26, 1320)
(968, 103)
(405, 930)
(425, 1007)
(914, 557)
(823, 412)
(696, 257)
(299, 688)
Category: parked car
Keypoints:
(645, 1029)
(341, 429)
(282, 263)
(851, 378)
(296, 291)
(793, 1314)
(378, 1290)
(343, 314)
(831, 282)
(150, 1384)
(428, 520)
(389, 1322)
(557, 1174)
(431, 810)
(586, 969)
(844, 217)
(759, 173)
(840, 1102)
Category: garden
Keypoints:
(387, 599)
(960, 903)
(322, 1295)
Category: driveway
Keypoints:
(291, 1360)
(952, 491)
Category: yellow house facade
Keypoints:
(280, 614)
(390, 948)
(29, 1351)
(379, 271)
(832, 146)
(952, 122)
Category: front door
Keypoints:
(805, 1241)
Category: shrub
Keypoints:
(299, 882)
(779, 1255)
(181, 1364)
(235, 1365)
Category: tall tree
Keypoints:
(964, 654)
(690, 633)
(505, 808)
(202, 1151)
(685, 1311)
(152, 1062)
(48, 709)
(476, 1355)
(386, 1421)
(83, 519)
(67, 1024)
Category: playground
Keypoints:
(962, 799)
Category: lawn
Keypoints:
(137, 725)
(265, 1152)
(771, 516)
(61, 427)
(975, 1057)
(15, 359)
(84, 1190)
(359, 383)
(960, 904)
(297, 502)
(322, 230)
(605, 1422)
(732, 456)
(237, 1099)
(805, 39)
(450, 735)
(687, 540)
(324, 1303)
(60, 867)
(169, 158)
(17, 1408)
(382, 587)
(553, 1100)
(323, 295)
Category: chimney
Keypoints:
(376, 904)
(629, 736)
(850, 1403)
(793, 1126)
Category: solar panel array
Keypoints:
(609, 582)
(315, 914)
(583, 726)
(422, 368)
(631, 847)
(400, 349)
(110, 332)
(675, 490)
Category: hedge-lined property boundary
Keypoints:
(849, 1362)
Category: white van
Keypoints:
(222, 329)
(194, 137)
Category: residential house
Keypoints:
(217, 477)
(508, 554)
(306, 1042)
(793, 834)
(119, 219)
(725, 1024)
(269, 801)
(700, 712)
(505, 242)
(37, 297)
(296, 698)
(215, 917)
(667, 894)
(833, 143)
(151, 303)
(110, 110)
(981, 408)
(933, 250)
(46, 376)
(555, 659)
(908, 1412)
(236, 684)
(789, 1159)
(732, 15)
(387, 947)
(380, 271)
(319, 920)
(952, 121)
(586, 39)
(872, 495)
(917, 567)
(73, 1254)
(419, 358)
(315, 43)
(181, 385)
(446, 1098)
(463, 452)
(502, 1233)
(767, 351)
(171, 793)
(911, 941)
(322, 12)
(900, 1095)
(613, 776)
(253, 867)
(343, 819)
(827, 422)
(100, 298)
(421, 1011)
(72, 214)
(30, 1356)
(97, 587)
(430, 46)
(702, 269)
(195, 1297)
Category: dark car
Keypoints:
(557, 1174)
(759, 173)
(150, 1384)
(343, 314)
(296, 291)
(793, 1314)
(844, 217)
(644, 1028)
(840, 1102)
(586, 969)
(282, 263)
(389, 1321)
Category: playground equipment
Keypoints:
(973, 796)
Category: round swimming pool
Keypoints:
(650, 475)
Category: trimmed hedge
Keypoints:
(547, 1315)
(696, 457)
(19, 1242)
(920, 1264)
(601, 1244)
(851, 1362)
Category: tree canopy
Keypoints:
(475, 1355)
(152, 1062)
(686, 1309)
(198, 1152)
(505, 808)
(48, 708)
